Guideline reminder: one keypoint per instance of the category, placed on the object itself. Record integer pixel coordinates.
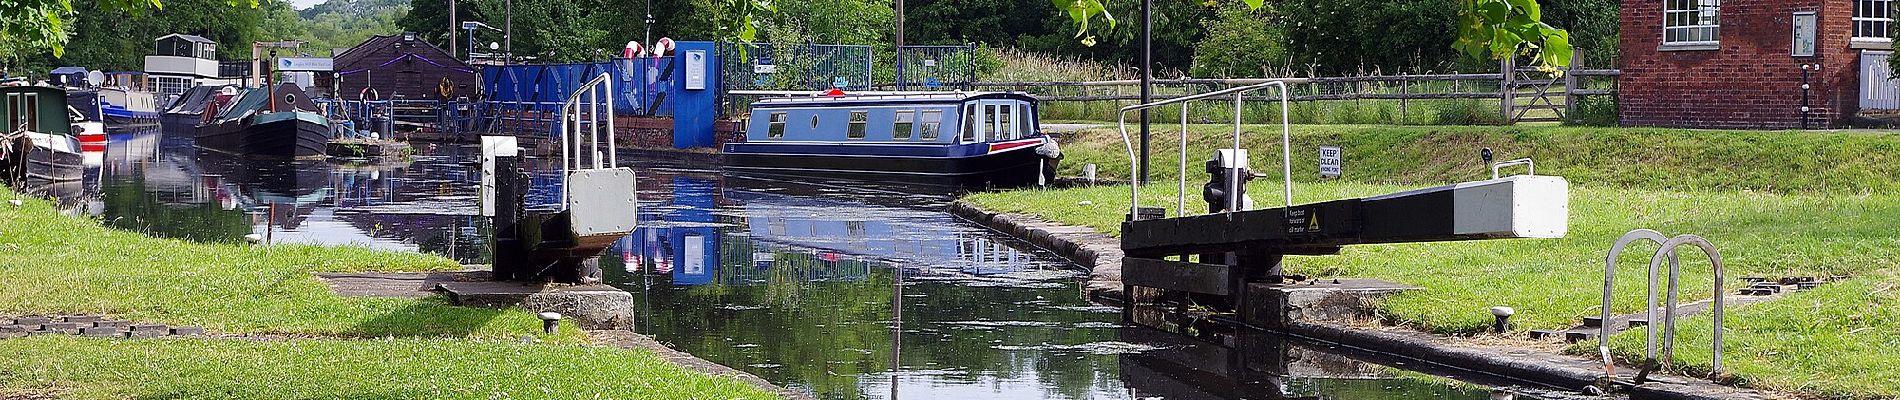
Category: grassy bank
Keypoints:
(90, 368)
(1836, 341)
(1775, 203)
(54, 264)
(1833, 162)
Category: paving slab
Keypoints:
(394, 284)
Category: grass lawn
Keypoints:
(1775, 203)
(54, 264)
(346, 369)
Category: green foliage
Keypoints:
(32, 26)
(115, 39)
(302, 368)
(1470, 112)
(1594, 27)
(1357, 36)
(342, 24)
(1595, 111)
(1496, 29)
(1241, 43)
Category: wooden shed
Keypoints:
(399, 66)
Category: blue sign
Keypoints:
(839, 82)
(932, 82)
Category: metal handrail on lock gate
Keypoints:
(1233, 202)
(1666, 250)
(595, 91)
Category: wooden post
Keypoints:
(1570, 86)
(1403, 94)
(1506, 90)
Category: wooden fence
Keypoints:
(1523, 95)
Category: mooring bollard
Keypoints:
(550, 322)
(1503, 315)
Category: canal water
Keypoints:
(839, 290)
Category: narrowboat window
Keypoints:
(989, 123)
(933, 119)
(1003, 126)
(900, 127)
(775, 126)
(31, 109)
(814, 121)
(1023, 125)
(970, 128)
(856, 129)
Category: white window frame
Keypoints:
(1873, 23)
(1804, 40)
(1701, 26)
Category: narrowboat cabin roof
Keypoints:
(877, 99)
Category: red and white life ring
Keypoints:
(633, 50)
(662, 47)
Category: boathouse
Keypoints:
(1743, 63)
(179, 62)
(399, 67)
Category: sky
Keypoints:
(302, 4)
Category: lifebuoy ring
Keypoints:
(446, 89)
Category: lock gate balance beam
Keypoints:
(1523, 206)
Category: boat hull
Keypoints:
(1010, 168)
(259, 137)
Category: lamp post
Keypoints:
(452, 25)
(1147, 80)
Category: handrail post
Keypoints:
(1669, 314)
(1609, 281)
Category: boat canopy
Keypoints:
(34, 108)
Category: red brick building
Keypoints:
(1739, 63)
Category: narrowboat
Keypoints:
(114, 98)
(965, 140)
(188, 109)
(38, 137)
(275, 123)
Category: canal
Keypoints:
(840, 290)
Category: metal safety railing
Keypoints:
(1665, 251)
(1234, 182)
(581, 113)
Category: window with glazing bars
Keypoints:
(1873, 20)
(900, 126)
(775, 126)
(856, 129)
(1691, 21)
(932, 123)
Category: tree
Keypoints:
(1241, 43)
(43, 25)
(1487, 29)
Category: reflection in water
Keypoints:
(845, 299)
(842, 292)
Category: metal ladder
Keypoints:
(580, 116)
(1666, 251)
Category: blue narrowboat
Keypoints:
(969, 140)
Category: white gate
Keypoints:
(1877, 88)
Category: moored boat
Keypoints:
(38, 143)
(278, 123)
(114, 98)
(966, 140)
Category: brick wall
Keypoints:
(1750, 81)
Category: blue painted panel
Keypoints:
(695, 111)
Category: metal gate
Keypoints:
(1877, 88)
(935, 67)
(761, 66)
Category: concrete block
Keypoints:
(110, 324)
(148, 331)
(1274, 305)
(187, 330)
(83, 319)
(32, 320)
(590, 309)
(102, 332)
(61, 327)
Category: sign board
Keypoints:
(765, 69)
(1329, 161)
(695, 70)
(318, 64)
(694, 254)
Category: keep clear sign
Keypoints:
(1329, 161)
